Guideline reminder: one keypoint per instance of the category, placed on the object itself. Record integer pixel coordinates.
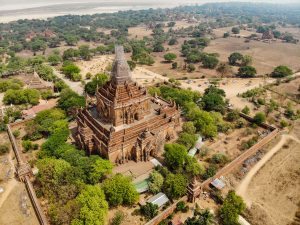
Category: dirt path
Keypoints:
(75, 86)
(242, 188)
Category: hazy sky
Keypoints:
(20, 4)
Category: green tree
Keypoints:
(246, 110)
(188, 127)
(210, 62)
(247, 71)
(235, 58)
(71, 71)
(247, 60)
(169, 57)
(193, 168)
(156, 181)
(210, 172)
(70, 100)
(71, 40)
(200, 218)
(84, 52)
(175, 155)
(54, 59)
(119, 190)
(18, 97)
(99, 169)
(232, 207)
(186, 139)
(175, 185)
(45, 72)
(281, 71)
(93, 206)
(98, 80)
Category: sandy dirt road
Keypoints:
(243, 186)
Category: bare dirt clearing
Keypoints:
(17, 208)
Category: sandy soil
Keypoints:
(12, 212)
(271, 187)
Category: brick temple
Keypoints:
(126, 123)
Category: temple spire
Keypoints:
(120, 71)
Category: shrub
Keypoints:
(4, 149)
(259, 118)
(284, 123)
(182, 207)
(118, 218)
(174, 65)
(219, 158)
(210, 172)
(16, 133)
(27, 145)
(191, 68)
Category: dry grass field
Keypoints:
(265, 56)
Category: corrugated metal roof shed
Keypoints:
(155, 162)
(217, 183)
(192, 152)
(160, 199)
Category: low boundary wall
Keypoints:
(24, 171)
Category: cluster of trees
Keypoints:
(193, 51)
(204, 111)
(76, 186)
